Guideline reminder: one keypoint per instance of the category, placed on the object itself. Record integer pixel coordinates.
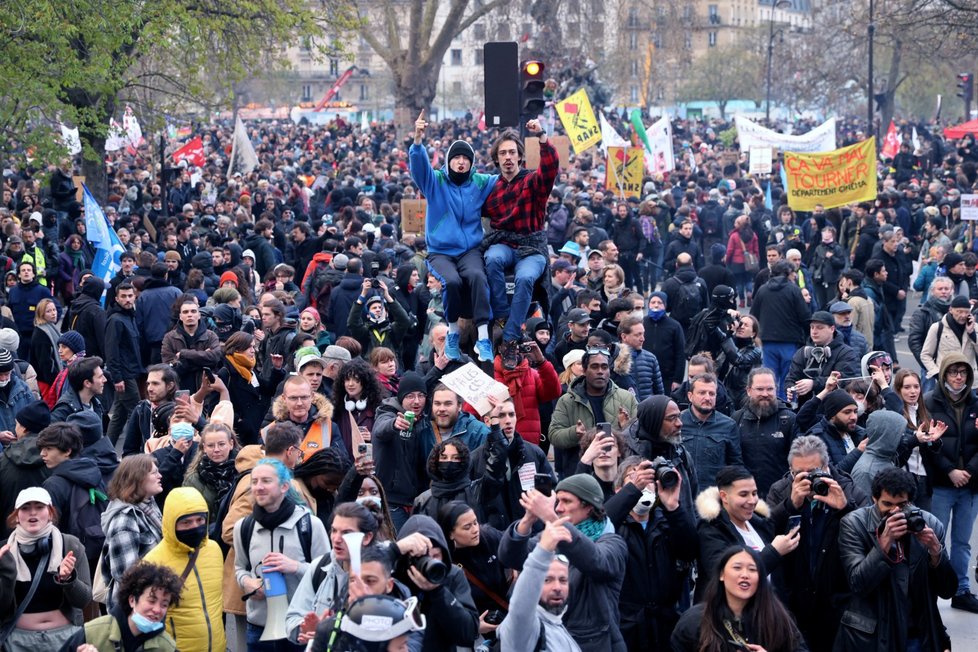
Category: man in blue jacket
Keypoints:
(453, 233)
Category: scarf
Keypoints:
(218, 476)
(513, 379)
(614, 292)
(77, 259)
(449, 489)
(20, 537)
(591, 528)
(244, 366)
(152, 512)
(271, 520)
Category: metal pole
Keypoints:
(870, 95)
(166, 210)
(770, 55)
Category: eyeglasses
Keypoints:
(298, 399)
(597, 351)
(957, 372)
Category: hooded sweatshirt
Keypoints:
(81, 472)
(885, 429)
(197, 622)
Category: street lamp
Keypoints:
(870, 30)
(770, 54)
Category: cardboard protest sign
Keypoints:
(473, 385)
(969, 207)
(761, 159)
(836, 178)
(579, 122)
(412, 215)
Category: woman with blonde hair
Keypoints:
(613, 282)
(44, 345)
(212, 471)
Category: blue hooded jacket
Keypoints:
(453, 221)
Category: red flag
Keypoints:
(891, 144)
(192, 152)
(482, 121)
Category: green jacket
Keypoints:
(573, 406)
(105, 634)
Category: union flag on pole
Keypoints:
(192, 152)
(891, 144)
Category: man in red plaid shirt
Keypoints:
(517, 208)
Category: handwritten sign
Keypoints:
(412, 215)
(474, 385)
(842, 176)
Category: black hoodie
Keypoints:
(122, 350)
(87, 316)
(642, 438)
(449, 609)
(81, 472)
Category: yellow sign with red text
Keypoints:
(624, 170)
(830, 179)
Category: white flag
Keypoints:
(134, 133)
(71, 140)
(243, 154)
(609, 136)
(915, 140)
(660, 139)
(117, 138)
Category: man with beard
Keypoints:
(539, 599)
(191, 346)
(845, 439)
(449, 420)
(712, 438)
(454, 233)
(953, 333)
(955, 269)
(655, 433)
(826, 352)
(122, 359)
(161, 386)
(766, 427)
(930, 312)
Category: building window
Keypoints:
(457, 88)
(364, 92)
(633, 17)
(573, 30)
(478, 57)
(306, 92)
(687, 13)
(714, 13)
(633, 41)
(656, 40)
(502, 32)
(597, 30)
(713, 39)
(574, 6)
(456, 57)
(633, 94)
(479, 31)
(634, 67)
(688, 44)
(334, 67)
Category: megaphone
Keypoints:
(277, 606)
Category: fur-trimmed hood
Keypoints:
(322, 408)
(623, 361)
(708, 505)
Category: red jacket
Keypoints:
(529, 388)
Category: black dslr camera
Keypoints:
(819, 486)
(915, 518)
(433, 570)
(665, 473)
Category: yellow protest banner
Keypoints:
(623, 172)
(835, 178)
(579, 122)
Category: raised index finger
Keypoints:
(421, 115)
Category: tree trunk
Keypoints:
(887, 109)
(93, 169)
(414, 90)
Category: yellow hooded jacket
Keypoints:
(197, 623)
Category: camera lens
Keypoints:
(433, 570)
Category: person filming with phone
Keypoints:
(953, 333)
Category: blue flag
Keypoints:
(108, 247)
(768, 202)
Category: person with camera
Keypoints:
(731, 513)
(824, 353)
(766, 429)
(540, 598)
(893, 555)
(377, 319)
(596, 554)
(424, 565)
(656, 434)
(817, 496)
(660, 534)
(740, 354)
(710, 327)
(953, 469)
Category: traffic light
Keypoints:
(502, 86)
(966, 91)
(966, 86)
(531, 89)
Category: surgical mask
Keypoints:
(4, 383)
(645, 503)
(144, 624)
(656, 315)
(369, 501)
(182, 430)
(860, 407)
(193, 537)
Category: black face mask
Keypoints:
(451, 470)
(192, 537)
(458, 178)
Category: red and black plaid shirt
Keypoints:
(520, 205)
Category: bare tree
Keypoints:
(724, 73)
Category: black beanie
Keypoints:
(34, 416)
(89, 424)
(411, 382)
(835, 402)
(460, 147)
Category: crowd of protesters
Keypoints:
(246, 439)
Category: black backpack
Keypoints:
(690, 301)
(85, 518)
(303, 527)
(216, 527)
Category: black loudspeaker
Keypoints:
(502, 84)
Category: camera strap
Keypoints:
(485, 589)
